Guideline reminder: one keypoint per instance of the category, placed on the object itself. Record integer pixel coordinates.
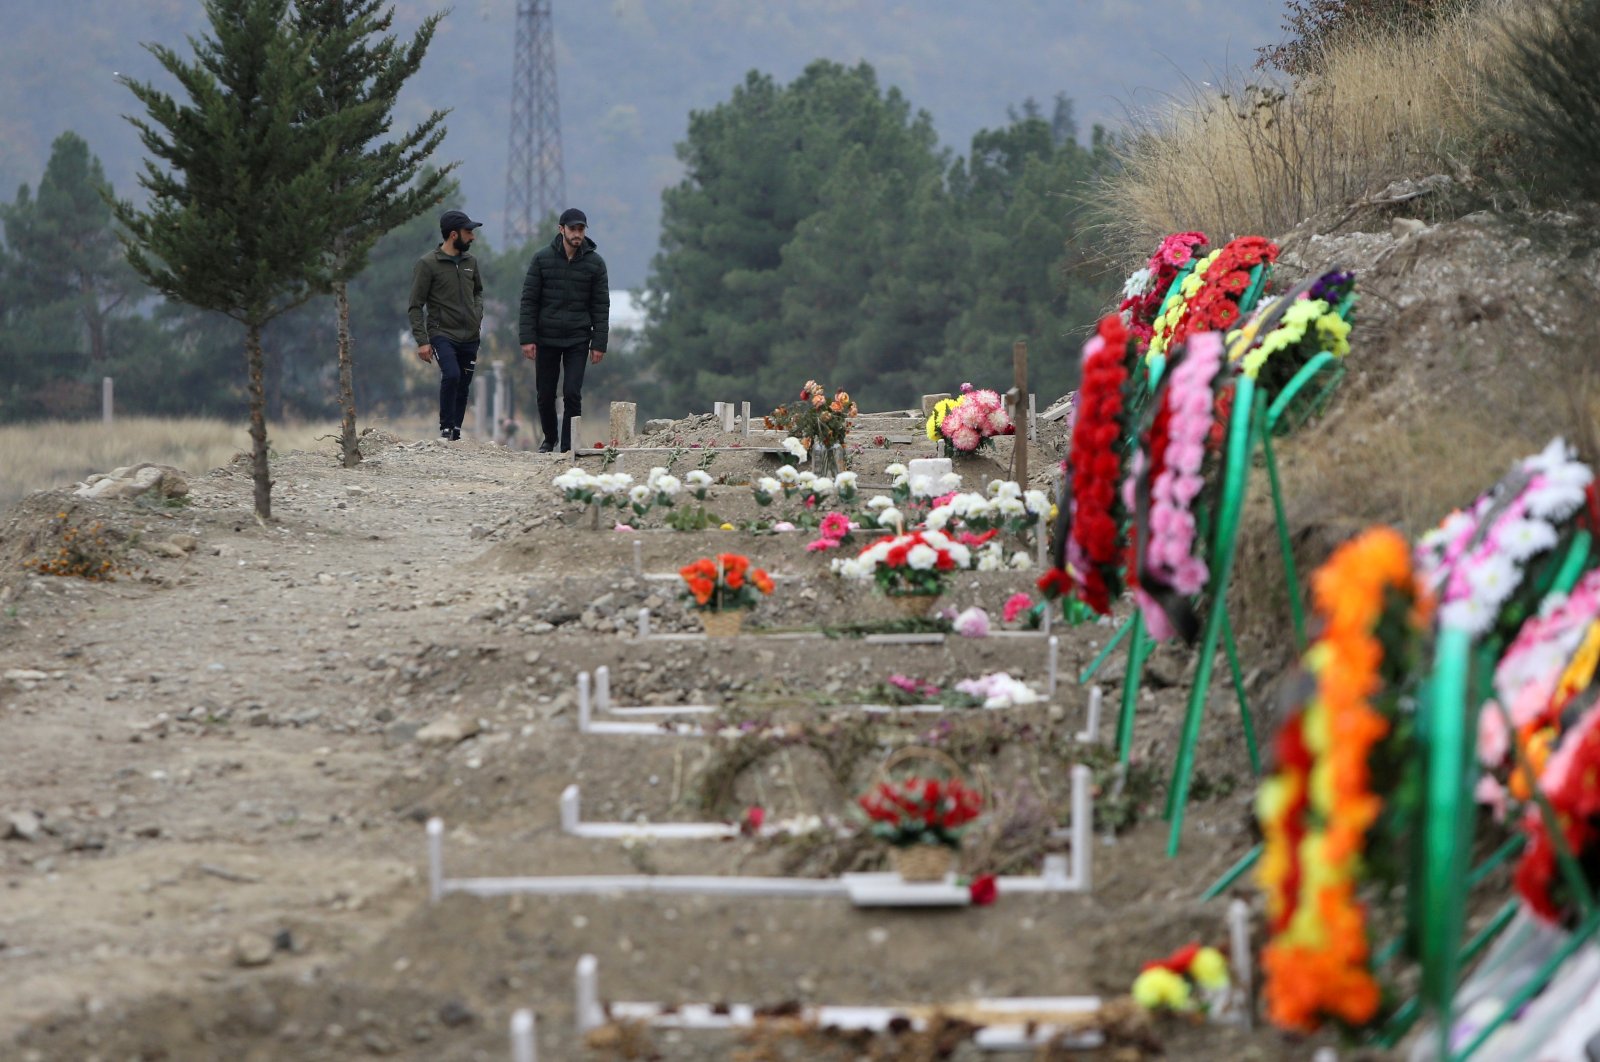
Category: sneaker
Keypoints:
(444, 435)
(546, 448)
(455, 434)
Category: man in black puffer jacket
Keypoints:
(565, 322)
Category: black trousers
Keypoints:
(566, 365)
(456, 362)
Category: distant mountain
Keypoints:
(630, 71)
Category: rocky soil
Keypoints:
(217, 767)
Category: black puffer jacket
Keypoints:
(566, 302)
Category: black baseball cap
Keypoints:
(451, 220)
(574, 216)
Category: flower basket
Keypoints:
(922, 818)
(720, 588)
(922, 862)
(723, 624)
(913, 606)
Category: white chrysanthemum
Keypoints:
(1011, 507)
(890, 517)
(991, 558)
(950, 481)
(1521, 539)
(822, 486)
(900, 480)
(937, 539)
(768, 485)
(845, 481)
(697, 480)
(961, 555)
(1554, 455)
(1493, 578)
(1020, 561)
(669, 485)
(788, 476)
(896, 469)
(574, 479)
(640, 494)
(922, 557)
(921, 486)
(795, 449)
(879, 501)
(1037, 501)
(1005, 488)
(805, 479)
(938, 519)
(655, 476)
(1471, 614)
(1140, 284)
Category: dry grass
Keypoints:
(58, 453)
(1261, 159)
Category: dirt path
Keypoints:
(221, 785)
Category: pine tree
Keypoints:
(359, 68)
(244, 187)
(69, 221)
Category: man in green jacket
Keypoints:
(447, 314)
(565, 322)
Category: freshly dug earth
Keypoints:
(221, 753)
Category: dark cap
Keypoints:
(451, 220)
(574, 216)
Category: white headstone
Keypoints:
(924, 473)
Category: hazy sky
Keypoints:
(630, 71)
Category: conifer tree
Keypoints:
(244, 185)
(68, 222)
(359, 68)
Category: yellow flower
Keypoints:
(1055, 510)
(727, 527)
(941, 410)
(1209, 969)
(1159, 988)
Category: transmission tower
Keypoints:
(535, 184)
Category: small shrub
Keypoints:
(1314, 25)
(78, 552)
(1550, 91)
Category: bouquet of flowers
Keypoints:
(833, 532)
(1090, 527)
(1193, 978)
(918, 811)
(1537, 684)
(1476, 561)
(815, 418)
(1147, 288)
(1209, 297)
(968, 422)
(724, 583)
(1331, 811)
(910, 565)
(1285, 333)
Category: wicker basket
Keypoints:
(913, 606)
(922, 862)
(725, 624)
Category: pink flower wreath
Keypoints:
(1172, 558)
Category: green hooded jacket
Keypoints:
(566, 302)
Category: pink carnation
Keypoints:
(1015, 606)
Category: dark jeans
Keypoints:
(568, 365)
(456, 362)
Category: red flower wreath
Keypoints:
(1097, 458)
(1215, 307)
